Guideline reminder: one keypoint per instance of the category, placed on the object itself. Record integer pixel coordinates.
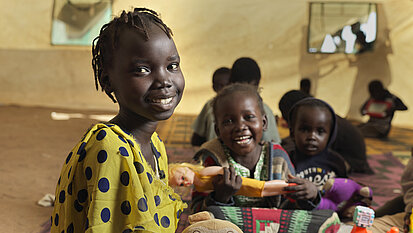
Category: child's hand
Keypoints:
(226, 185)
(304, 190)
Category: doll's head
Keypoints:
(136, 63)
(220, 78)
(182, 174)
(312, 124)
(239, 118)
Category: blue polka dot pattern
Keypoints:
(123, 151)
(82, 195)
(69, 189)
(131, 142)
(165, 222)
(127, 231)
(159, 138)
(101, 135)
(102, 156)
(124, 178)
(121, 138)
(155, 217)
(157, 200)
(58, 182)
(70, 228)
(125, 207)
(139, 167)
(81, 152)
(68, 174)
(142, 205)
(139, 228)
(56, 220)
(62, 196)
(68, 157)
(172, 198)
(103, 185)
(178, 214)
(157, 154)
(87, 224)
(105, 215)
(88, 173)
(149, 177)
(78, 206)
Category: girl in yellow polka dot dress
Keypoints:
(116, 178)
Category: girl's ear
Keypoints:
(264, 122)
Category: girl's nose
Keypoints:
(162, 79)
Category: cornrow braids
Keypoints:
(238, 87)
(106, 42)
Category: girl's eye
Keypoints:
(141, 70)
(320, 131)
(227, 122)
(250, 116)
(173, 66)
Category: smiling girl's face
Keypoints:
(240, 123)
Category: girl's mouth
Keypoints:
(162, 101)
(242, 140)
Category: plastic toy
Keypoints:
(363, 217)
(201, 177)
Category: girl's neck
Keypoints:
(141, 128)
(249, 160)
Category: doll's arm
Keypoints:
(275, 187)
(212, 171)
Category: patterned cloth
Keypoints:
(260, 173)
(260, 220)
(106, 185)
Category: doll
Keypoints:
(186, 174)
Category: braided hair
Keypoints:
(104, 45)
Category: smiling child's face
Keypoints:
(145, 75)
(312, 129)
(240, 123)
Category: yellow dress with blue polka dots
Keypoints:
(106, 185)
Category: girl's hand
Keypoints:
(304, 190)
(226, 185)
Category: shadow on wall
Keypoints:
(371, 66)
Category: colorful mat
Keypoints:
(385, 183)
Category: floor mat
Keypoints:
(385, 183)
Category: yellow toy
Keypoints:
(186, 174)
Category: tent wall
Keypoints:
(211, 34)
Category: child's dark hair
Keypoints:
(221, 70)
(238, 87)
(245, 70)
(375, 86)
(103, 46)
(288, 100)
(309, 102)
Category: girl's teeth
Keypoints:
(242, 140)
(162, 101)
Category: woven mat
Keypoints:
(385, 183)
